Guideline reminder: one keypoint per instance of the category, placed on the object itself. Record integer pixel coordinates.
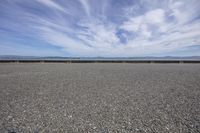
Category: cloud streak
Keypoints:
(86, 6)
(51, 4)
(100, 28)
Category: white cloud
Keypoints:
(52, 4)
(145, 31)
(62, 40)
(152, 30)
(156, 16)
(157, 33)
(99, 35)
(133, 24)
(86, 6)
(185, 11)
(141, 24)
(100, 39)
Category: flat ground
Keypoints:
(102, 98)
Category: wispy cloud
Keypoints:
(52, 4)
(86, 6)
(100, 28)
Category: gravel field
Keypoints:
(98, 97)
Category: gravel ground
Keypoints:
(102, 98)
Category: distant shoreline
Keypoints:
(99, 61)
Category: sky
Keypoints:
(100, 28)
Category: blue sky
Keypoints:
(109, 28)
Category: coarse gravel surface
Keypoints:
(99, 98)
